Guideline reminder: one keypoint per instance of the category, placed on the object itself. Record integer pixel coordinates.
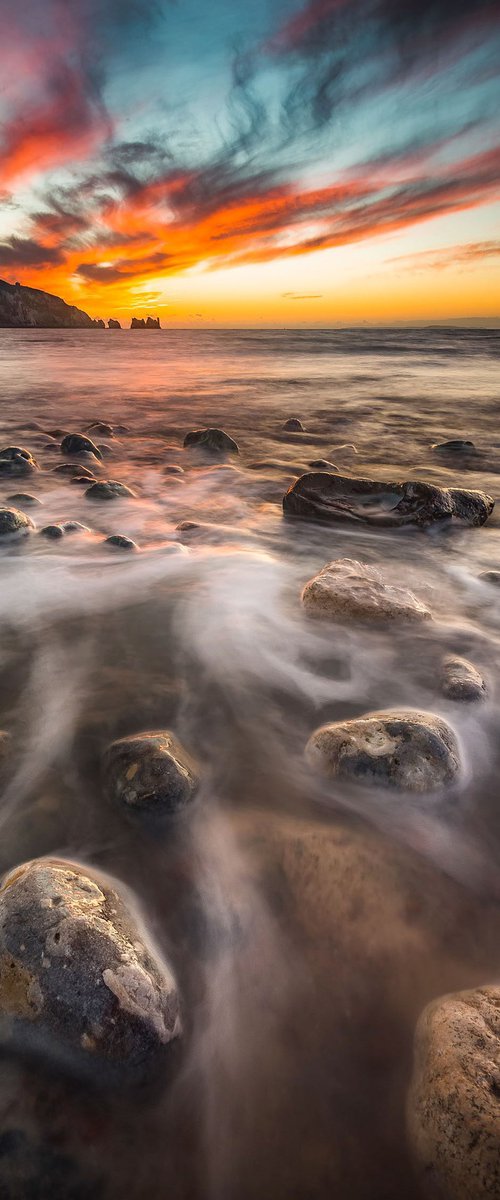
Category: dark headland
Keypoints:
(29, 308)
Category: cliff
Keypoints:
(25, 307)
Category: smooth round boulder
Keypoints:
(79, 984)
(349, 590)
(108, 489)
(75, 527)
(52, 531)
(14, 523)
(101, 429)
(15, 461)
(74, 470)
(293, 425)
(24, 498)
(119, 541)
(490, 577)
(413, 751)
(453, 1111)
(173, 470)
(150, 773)
(457, 446)
(460, 680)
(77, 443)
(214, 440)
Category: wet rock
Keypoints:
(34, 1168)
(456, 446)
(120, 542)
(150, 772)
(75, 527)
(348, 590)
(15, 461)
(414, 751)
(322, 464)
(108, 489)
(293, 425)
(74, 470)
(83, 480)
(327, 497)
(26, 499)
(52, 531)
(454, 1100)
(57, 433)
(77, 443)
(461, 680)
(490, 577)
(100, 429)
(79, 985)
(215, 440)
(187, 526)
(173, 470)
(14, 523)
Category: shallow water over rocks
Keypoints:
(308, 920)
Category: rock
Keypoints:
(414, 751)
(340, 498)
(75, 527)
(83, 480)
(79, 985)
(101, 429)
(52, 531)
(293, 425)
(322, 464)
(455, 446)
(74, 470)
(77, 443)
(25, 307)
(140, 323)
(14, 461)
(56, 433)
(454, 1100)
(14, 523)
(153, 323)
(345, 589)
(150, 772)
(25, 499)
(461, 680)
(187, 526)
(490, 577)
(173, 470)
(120, 542)
(108, 489)
(113, 323)
(212, 439)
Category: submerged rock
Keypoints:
(490, 577)
(329, 497)
(345, 589)
(456, 446)
(75, 527)
(101, 429)
(108, 489)
(461, 680)
(14, 523)
(83, 480)
(150, 772)
(322, 464)
(293, 425)
(454, 1099)
(120, 542)
(79, 985)
(173, 470)
(77, 443)
(15, 461)
(52, 531)
(215, 440)
(414, 751)
(24, 498)
(74, 470)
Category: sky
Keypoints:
(273, 162)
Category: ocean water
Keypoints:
(308, 924)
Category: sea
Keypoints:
(309, 923)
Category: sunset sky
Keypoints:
(270, 161)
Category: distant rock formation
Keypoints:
(140, 323)
(99, 323)
(25, 307)
(113, 324)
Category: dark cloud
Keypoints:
(23, 252)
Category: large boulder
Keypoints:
(79, 984)
(214, 440)
(14, 523)
(15, 461)
(348, 590)
(108, 489)
(77, 443)
(150, 772)
(414, 751)
(328, 497)
(454, 1099)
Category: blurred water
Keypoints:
(308, 925)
